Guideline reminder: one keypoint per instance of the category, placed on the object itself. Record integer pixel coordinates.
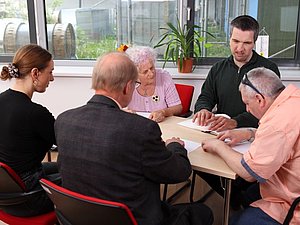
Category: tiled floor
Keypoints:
(215, 202)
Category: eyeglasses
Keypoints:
(137, 83)
(247, 82)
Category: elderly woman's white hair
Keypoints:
(141, 54)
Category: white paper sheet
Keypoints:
(190, 145)
(144, 114)
(189, 123)
(242, 147)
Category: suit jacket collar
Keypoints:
(101, 99)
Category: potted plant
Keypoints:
(179, 41)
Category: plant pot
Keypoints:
(187, 66)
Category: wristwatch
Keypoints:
(251, 139)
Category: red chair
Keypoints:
(12, 192)
(77, 209)
(186, 95)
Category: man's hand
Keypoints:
(213, 145)
(231, 157)
(221, 123)
(201, 118)
(215, 123)
(236, 136)
(174, 139)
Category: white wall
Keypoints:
(73, 88)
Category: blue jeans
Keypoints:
(252, 216)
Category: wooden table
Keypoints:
(200, 160)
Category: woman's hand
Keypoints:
(157, 116)
(129, 110)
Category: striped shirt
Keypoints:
(165, 95)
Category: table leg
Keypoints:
(49, 156)
(226, 207)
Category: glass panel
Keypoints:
(14, 28)
(87, 29)
(278, 19)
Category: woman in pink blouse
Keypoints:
(155, 91)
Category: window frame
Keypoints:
(38, 35)
(281, 62)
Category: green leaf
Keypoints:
(179, 40)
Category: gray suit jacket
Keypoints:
(108, 153)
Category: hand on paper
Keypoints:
(234, 137)
(221, 123)
(157, 116)
(174, 139)
(202, 117)
(129, 110)
(214, 122)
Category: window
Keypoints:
(277, 19)
(85, 29)
(14, 26)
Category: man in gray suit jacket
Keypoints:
(109, 153)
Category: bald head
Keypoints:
(113, 71)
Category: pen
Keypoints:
(210, 132)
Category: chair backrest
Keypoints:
(12, 188)
(9, 180)
(186, 95)
(290, 213)
(13, 192)
(77, 209)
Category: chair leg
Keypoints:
(171, 198)
(204, 197)
(165, 192)
(49, 156)
(192, 187)
(180, 190)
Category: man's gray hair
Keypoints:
(265, 81)
(112, 71)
